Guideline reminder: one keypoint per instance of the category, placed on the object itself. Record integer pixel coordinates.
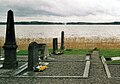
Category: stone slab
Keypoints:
(115, 58)
(87, 69)
(106, 67)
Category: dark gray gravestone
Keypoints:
(33, 56)
(0, 51)
(55, 45)
(10, 44)
(43, 51)
(62, 40)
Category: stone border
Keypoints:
(20, 69)
(17, 71)
(24, 67)
(63, 61)
(76, 77)
(106, 68)
(87, 68)
(85, 74)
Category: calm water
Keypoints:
(50, 31)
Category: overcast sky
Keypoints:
(62, 10)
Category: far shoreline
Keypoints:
(62, 23)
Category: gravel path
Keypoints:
(97, 73)
(5, 71)
(114, 70)
(69, 57)
(57, 57)
(62, 69)
(97, 76)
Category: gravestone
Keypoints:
(36, 51)
(0, 51)
(10, 44)
(43, 51)
(33, 56)
(62, 40)
(55, 45)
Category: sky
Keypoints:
(62, 10)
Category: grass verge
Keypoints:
(107, 53)
(76, 51)
(113, 62)
(22, 52)
(66, 52)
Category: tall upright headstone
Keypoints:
(33, 58)
(55, 45)
(10, 44)
(62, 40)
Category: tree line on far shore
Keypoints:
(61, 23)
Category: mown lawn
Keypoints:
(109, 52)
(103, 52)
(22, 52)
(66, 52)
(76, 51)
(113, 62)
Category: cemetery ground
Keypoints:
(68, 68)
(72, 67)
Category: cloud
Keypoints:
(64, 9)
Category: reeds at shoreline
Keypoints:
(71, 42)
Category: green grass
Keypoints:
(22, 52)
(113, 62)
(66, 52)
(76, 51)
(109, 52)
(103, 52)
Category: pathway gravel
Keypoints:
(97, 76)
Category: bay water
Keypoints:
(51, 31)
